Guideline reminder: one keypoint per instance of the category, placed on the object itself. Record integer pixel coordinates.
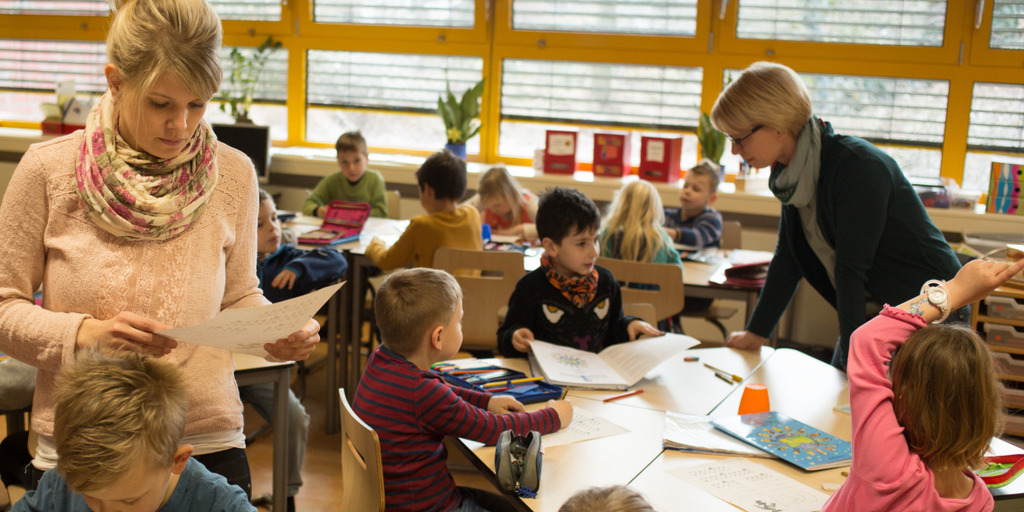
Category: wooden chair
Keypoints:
(667, 300)
(716, 313)
(394, 204)
(487, 279)
(644, 312)
(732, 232)
(362, 472)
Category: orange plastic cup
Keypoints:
(754, 399)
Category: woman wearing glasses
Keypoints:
(851, 223)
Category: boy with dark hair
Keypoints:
(412, 409)
(442, 182)
(354, 182)
(568, 300)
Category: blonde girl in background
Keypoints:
(504, 205)
(632, 229)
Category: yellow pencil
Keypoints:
(513, 381)
(733, 376)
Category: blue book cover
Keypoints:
(789, 439)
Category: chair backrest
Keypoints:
(732, 233)
(362, 473)
(668, 278)
(394, 204)
(487, 279)
(644, 312)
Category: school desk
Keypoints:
(250, 369)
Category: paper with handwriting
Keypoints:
(246, 330)
(752, 487)
(584, 426)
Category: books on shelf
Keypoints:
(616, 367)
(791, 440)
(695, 433)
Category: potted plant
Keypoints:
(712, 141)
(459, 115)
(237, 92)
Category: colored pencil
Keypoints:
(624, 395)
(513, 381)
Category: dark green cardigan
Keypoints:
(886, 245)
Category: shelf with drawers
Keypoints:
(999, 319)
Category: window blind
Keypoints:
(1007, 25)
(253, 10)
(649, 17)
(997, 117)
(38, 65)
(273, 83)
(61, 8)
(607, 94)
(399, 82)
(880, 22)
(442, 13)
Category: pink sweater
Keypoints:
(885, 474)
(87, 272)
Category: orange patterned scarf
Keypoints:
(579, 290)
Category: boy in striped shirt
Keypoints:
(412, 409)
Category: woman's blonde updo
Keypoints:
(766, 94)
(148, 38)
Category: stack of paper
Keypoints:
(616, 367)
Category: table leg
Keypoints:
(281, 438)
(357, 297)
(333, 321)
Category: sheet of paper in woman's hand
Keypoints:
(246, 330)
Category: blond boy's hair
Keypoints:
(498, 182)
(113, 410)
(710, 169)
(351, 141)
(614, 498)
(150, 37)
(767, 94)
(947, 396)
(633, 223)
(412, 302)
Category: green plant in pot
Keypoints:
(236, 93)
(712, 141)
(459, 116)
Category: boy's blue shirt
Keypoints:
(197, 490)
(699, 231)
(313, 269)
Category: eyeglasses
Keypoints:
(738, 142)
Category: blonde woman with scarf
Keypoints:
(851, 223)
(139, 223)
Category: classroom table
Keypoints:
(250, 369)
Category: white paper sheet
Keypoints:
(584, 426)
(751, 486)
(691, 432)
(246, 330)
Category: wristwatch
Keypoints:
(938, 296)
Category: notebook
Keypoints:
(616, 367)
(343, 222)
(694, 433)
(789, 439)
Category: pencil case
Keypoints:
(1001, 469)
(501, 381)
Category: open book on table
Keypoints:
(616, 367)
(694, 433)
(789, 439)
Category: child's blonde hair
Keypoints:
(709, 169)
(614, 498)
(113, 410)
(150, 37)
(412, 302)
(947, 396)
(498, 182)
(634, 221)
(767, 94)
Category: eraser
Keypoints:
(690, 359)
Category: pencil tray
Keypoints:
(525, 392)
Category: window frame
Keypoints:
(981, 54)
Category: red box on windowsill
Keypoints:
(71, 128)
(560, 152)
(659, 158)
(611, 154)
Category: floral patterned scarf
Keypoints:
(579, 290)
(137, 196)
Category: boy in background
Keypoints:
(118, 424)
(442, 183)
(412, 409)
(696, 224)
(354, 182)
(568, 300)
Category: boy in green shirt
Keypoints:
(353, 183)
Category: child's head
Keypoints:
(118, 423)
(418, 304)
(700, 186)
(635, 214)
(268, 229)
(614, 498)
(442, 176)
(946, 395)
(501, 194)
(567, 224)
(352, 155)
